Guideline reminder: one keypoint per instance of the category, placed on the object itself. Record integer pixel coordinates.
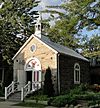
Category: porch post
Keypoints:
(22, 94)
(12, 86)
(29, 86)
(5, 93)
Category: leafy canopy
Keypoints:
(91, 46)
(77, 14)
(16, 24)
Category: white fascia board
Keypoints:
(23, 46)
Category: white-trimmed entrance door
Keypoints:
(33, 72)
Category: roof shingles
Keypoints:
(62, 49)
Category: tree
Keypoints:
(87, 12)
(18, 15)
(78, 14)
(91, 47)
(63, 33)
(16, 25)
(48, 86)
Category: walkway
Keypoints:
(8, 104)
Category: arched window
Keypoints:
(76, 73)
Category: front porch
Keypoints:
(26, 79)
(13, 89)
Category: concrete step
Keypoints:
(15, 96)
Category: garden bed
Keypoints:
(82, 95)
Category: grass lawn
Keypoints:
(31, 104)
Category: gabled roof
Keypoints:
(62, 49)
(54, 46)
(29, 39)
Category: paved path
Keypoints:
(8, 104)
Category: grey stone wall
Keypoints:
(66, 68)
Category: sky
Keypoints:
(42, 5)
(50, 2)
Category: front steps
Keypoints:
(16, 96)
(12, 93)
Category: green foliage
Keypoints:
(48, 86)
(62, 100)
(39, 97)
(81, 92)
(60, 33)
(59, 101)
(15, 18)
(42, 97)
(91, 46)
(76, 16)
(77, 89)
(15, 26)
(73, 97)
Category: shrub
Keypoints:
(71, 97)
(78, 90)
(62, 100)
(48, 86)
(59, 101)
(39, 97)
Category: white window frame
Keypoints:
(33, 50)
(78, 70)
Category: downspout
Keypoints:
(58, 73)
